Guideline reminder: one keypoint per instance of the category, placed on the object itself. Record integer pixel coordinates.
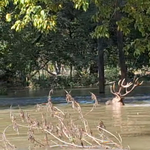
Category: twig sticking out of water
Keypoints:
(58, 129)
(22, 114)
(75, 104)
(94, 98)
(7, 144)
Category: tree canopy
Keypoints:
(66, 31)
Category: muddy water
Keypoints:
(132, 122)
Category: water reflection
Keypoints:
(132, 122)
(141, 95)
(139, 91)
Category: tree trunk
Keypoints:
(101, 66)
(71, 71)
(122, 64)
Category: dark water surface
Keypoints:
(132, 122)
(31, 97)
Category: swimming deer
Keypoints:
(123, 90)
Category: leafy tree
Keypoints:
(125, 14)
(113, 24)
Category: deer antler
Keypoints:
(113, 89)
(122, 85)
(128, 85)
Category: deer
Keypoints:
(123, 90)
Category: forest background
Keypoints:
(73, 43)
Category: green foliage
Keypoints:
(123, 25)
(42, 14)
(139, 12)
(8, 17)
(84, 4)
(42, 82)
(100, 31)
(111, 74)
(3, 91)
(84, 79)
(74, 25)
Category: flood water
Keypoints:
(132, 121)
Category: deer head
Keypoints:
(123, 89)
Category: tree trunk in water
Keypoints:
(101, 66)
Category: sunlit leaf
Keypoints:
(8, 17)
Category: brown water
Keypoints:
(132, 122)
